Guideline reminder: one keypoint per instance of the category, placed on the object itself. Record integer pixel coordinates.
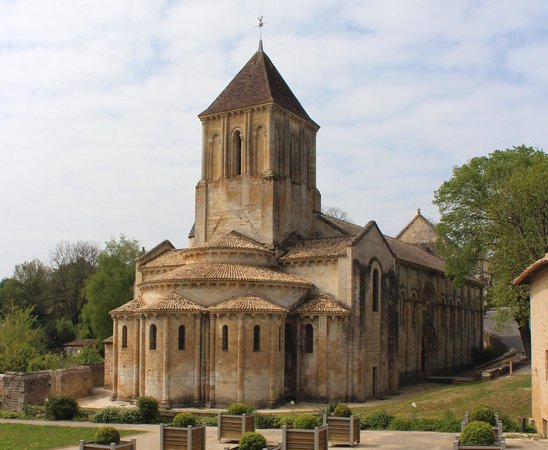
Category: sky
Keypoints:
(99, 134)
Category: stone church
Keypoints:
(274, 300)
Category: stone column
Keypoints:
(205, 145)
(321, 357)
(273, 349)
(115, 344)
(136, 349)
(142, 331)
(165, 364)
(241, 356)
(212, 350)
(224, 147)
(270, 161)
(197, 351)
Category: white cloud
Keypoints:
(98, 104)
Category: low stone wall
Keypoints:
(21, 388)
(108, 364)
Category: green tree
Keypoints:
(21, 339)
(494, 214)
(112, 284)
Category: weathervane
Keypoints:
(261, 25)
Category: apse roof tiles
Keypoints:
(322, 304)
(258, 83)
(129, 307)
(247, 303)
(236, 241)
(211, 272)
(173, 302)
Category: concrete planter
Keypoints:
(343, 430)
(232, 428)
(316, 439)
(122, 445)
(501, 445)
(176, 438)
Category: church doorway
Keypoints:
(429, 349)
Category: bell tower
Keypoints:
(258, 160)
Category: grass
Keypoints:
(43, 437)
(509, 396)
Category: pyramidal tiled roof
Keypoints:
(129, 307)
(247, 303)
(173, 302)
(236, 241)
(322, 248)
(258, 83)
(322, 304)
(211, 272)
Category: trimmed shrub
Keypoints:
(110, 414)
(252, 441)
(130, 415)
(477, 433)
(61, 407)
(288, 421)
(107, 435)
(307, 422)
(483, 413)
(265, 421)
(342, 410)
(379, 420)
(148, 407)
(210, 421)
(183, 420)
(239, 409)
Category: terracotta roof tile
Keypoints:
(415, 255)
(247, 303)
(108, 340)
(258, 83)
(170, 258)
(173, 302)
(303, 249)
(129, 307)
(236, 241)
(531, 270)
(342, 225)
(229, 272)
(321, 305)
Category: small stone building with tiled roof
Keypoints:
(536, 276)
(274, 300)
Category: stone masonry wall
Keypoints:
(21, 388)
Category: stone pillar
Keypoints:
(270, 161)
(197, 351)
(165, 403)
(212, 350)
(321, 357)
(224, 146)
(115, 351)
(241, 357)
(205, 145)
(272, 366)
(142, 330)
(136, 350)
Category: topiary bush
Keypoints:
(252, 441)
(342, 410)
(483, 413)
(307, 422)
(110, 414)
(239, 409)
(183, 420)
(477, 433)
(61, 407)
(107, 435)
(148, 407)
(379, 420)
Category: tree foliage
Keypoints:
(494, 209)
(112, 284)
(21, 339)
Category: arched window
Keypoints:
(375, 290)
(224, 343)
(308, 339)
(237, 153)
(215, 158)
(152, 337)
(181, 344)
(260, 150)
(257, 338)
(124, 337)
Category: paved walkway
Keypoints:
(389, 440)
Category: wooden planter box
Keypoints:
(294, 439)
(232, 428)
(176, 438)
(268, 447)
(501, 445)
(122, 445)
(343, 430)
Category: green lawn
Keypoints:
(36, 437)
(510, 396)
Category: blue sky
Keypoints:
(98, 104)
